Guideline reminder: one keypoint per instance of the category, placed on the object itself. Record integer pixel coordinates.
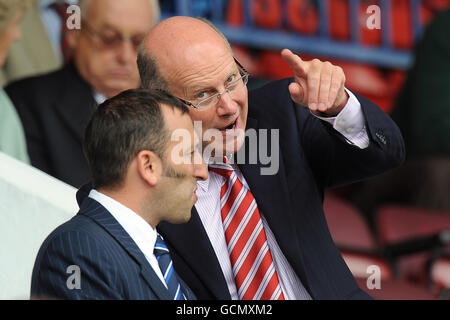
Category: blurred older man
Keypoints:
(55, 108)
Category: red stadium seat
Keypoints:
(396, 290)
(396, 223)
(361, 253)
(400, 223)
(353, 237)
(234, 13)
(347, 225)
(267, 13)
(302, 16)
(339, 19)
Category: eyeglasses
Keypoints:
(113, 39)
(209, 101)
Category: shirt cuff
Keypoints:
(350, 122)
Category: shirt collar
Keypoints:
(204, 184)
(142, 233)
(98, 97)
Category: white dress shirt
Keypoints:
(137, 228)
(350, 123)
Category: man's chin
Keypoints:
(182, 218)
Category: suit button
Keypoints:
(381, 137)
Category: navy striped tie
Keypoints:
(165, 264)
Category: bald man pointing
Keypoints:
(255, 235)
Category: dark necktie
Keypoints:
(165, 264)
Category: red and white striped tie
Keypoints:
(251, 260)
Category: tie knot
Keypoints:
(160, 247)
(224, 169)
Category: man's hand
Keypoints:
(318, 85)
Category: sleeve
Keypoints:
(26, 104)
(350, 122)
(336, 162)
(331, 159)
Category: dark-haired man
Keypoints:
(141, 176)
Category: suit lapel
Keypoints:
(272, 196)
(191, 243)
(76, 103)
(97, 212)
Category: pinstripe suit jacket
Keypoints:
(111, 266)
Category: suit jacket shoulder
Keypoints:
(92, 257)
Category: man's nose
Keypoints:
(127, 52)
(200, 168)
(226, 106)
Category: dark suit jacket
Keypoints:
(55, 110)
(110, 263)
(313, 156)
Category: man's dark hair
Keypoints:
(151, 77)
(123, 126)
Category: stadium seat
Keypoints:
(440, 277)
(396, 290)
(362, 253)
(267, 13)
(302, 16)
(347, 225)
(234, 15)
(403, 223)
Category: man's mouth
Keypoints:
(232, 126)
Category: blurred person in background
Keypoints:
(55, 108)
(12, 138)
(422, 113)
(40, 50)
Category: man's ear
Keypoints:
(73, 36)
(149, 167)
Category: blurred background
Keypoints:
(394, 230)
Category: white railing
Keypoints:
(32, 204)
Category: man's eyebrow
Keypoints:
(207, 86)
